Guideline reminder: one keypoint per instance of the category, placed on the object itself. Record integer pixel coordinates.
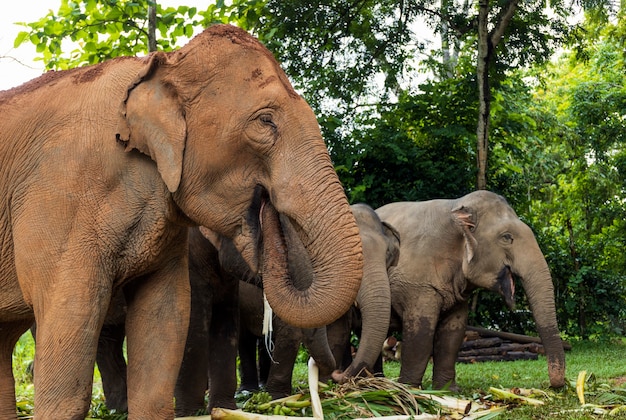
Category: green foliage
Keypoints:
(89, 31)
(417, 149)
(556, 140)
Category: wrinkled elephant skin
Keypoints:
(450, 247)
(105, 167)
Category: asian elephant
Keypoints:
(104, 168)
(449, 248)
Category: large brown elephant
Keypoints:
(449, 248)
(104, 168)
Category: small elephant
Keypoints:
(449, 248)
(105, 167)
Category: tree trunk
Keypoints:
(484, 99)
(487, 43)
(152, 44)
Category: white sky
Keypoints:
(16, 64)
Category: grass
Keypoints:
(606, 361)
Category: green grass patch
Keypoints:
(607, 385)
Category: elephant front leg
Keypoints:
(112, 366)
(10, 332)
(193, 380)
(448, 339)
(67, 339)
(418, 330)
(156, 330)
(287, 342)
(223, 343)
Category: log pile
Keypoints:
(482, 345)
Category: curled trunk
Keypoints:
(336, 265)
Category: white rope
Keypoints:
(268, 327)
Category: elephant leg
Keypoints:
(67, 341)
(112, 366)
(265, 363)
(448, 339)
(193, 381)
(10, 332)
(248, 371)
(156, 331)
(287, 341)
(338, 334)
(316, 341)
(223, 340)
(418, 330)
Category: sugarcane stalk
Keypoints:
(316, 403)
(226, 414)
(509, 396)
(580, 386)
(451, 403)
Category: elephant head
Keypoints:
(236, 146)
(497, 246)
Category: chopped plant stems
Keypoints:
(508, 396)
(580, 386)
(369, 397)
(313, 389)
(225, 414)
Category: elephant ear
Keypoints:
(393, 244)
(466, 220)
(152, 121)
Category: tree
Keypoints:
(90, 31)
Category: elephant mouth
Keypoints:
(292, 238)
(506, 286)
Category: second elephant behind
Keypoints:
(449, 248)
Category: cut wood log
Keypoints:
(511, 356)
(503, 349)
(518, 338)
(481, 343)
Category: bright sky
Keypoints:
(16, 64)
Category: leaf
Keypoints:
(21, 37)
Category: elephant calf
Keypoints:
(449, 248)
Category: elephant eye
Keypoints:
(507, 238)
(267, 120)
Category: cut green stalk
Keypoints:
(505, 395)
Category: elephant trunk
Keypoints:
(374, 303)
(335, 255)
(316, 341)
(539, 289)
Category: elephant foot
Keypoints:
(339, 376)
(360, 371)
(449, 386)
